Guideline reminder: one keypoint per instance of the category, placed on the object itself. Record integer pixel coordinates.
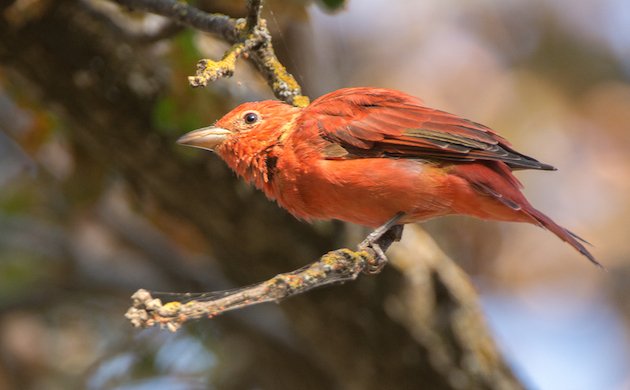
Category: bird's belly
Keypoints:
(367, 191)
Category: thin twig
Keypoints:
(185, 14)
(336, 267)
(250, 37)
(253, 16)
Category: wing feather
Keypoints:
(369, 122)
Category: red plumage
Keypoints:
(363, 155)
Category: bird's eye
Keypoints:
(250, 117)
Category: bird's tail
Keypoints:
(562, 233)
(497, 182)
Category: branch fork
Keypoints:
(251, 34)
(249, 37)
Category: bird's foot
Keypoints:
(377, 242)
(377, 261)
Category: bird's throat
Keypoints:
(254, 155)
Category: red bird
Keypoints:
(369, 156)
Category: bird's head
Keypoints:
(250, 123)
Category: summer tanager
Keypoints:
(365, 155)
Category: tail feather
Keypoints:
(497, 182)
(579, 238)
(564, 234)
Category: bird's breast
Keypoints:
(366, 191)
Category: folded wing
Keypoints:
(368, 122)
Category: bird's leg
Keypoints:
(379, 240)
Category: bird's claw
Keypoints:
(377, 261)
(372, 244)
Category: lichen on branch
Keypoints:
(338, 266)
(249, 37)
(208, 70)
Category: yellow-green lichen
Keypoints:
(301, 101)
(208, 70)
(257, 40)
(170, 309)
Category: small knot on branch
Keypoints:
(145, 311)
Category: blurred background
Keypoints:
(96, 200)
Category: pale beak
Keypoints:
(205, 138)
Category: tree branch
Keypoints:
(185, 14)
(338, 266)
(335, 267)
(249, 37)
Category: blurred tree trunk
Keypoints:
(363, 335)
